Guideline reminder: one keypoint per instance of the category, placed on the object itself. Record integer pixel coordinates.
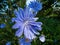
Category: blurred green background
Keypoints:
(49, 16)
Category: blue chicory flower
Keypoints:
(24, 41)
(8, 43)
(26, 23)
(35, 5)
(2, 25)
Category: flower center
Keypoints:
(25, 23)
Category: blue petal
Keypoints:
(21, 12)
(16, 13)
(28, 33)
(28, 13)
(33, 19)
(17, 25)
(34, 31)
(19, 32)
(13, 19)
(36, 25)
(37, 28)
(18, 20)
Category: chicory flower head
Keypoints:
(26, 23)
(35, 5)
(24, 41)
(8, 43)
(2, 25)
